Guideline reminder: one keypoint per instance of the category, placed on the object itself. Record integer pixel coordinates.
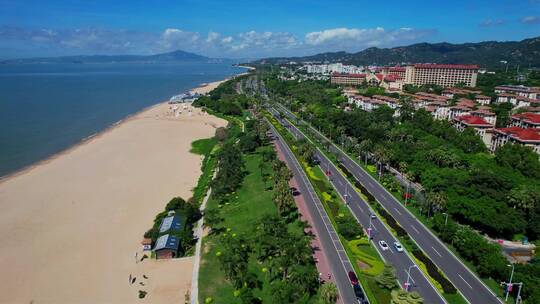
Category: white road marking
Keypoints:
(397, 211)
(465, 281)
(436, 251)
(414, 228)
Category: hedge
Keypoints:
(434, 272)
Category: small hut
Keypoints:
(167, 247)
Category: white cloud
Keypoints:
(361, 37)
(492, 22)
(530, 19)
(244, 44)
(212, 36)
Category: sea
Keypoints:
(47, 108)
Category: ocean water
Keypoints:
(47, 108)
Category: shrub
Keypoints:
(349, 227)
(434, 272)
(392, 222)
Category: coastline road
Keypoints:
(337, 258)
(470, 286)
(361, 210)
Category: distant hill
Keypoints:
(176, 56)
(486, 54)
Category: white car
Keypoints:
(398, 247)
(383, 245)
(373, 216)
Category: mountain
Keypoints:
(486, 54)
(175, 56)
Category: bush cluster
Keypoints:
(434, 272)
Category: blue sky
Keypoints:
(240, 29)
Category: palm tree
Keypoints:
(436, 202)
(366, 146)
(382, 156)
(329, 293)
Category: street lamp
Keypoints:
(369, 228)
(407, 284)
(346, 194)
(446, 218)
(509, 285)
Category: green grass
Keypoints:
(203, 146)
(250, 203)
(208, 148)
(364, 252)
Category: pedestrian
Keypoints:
(130, 278)
(136, 260)
(329, 276)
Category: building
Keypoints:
(347, 79)
(527, 137)
(526, 120)
(170, 223)
(446, 75)
(486, 114)
(480, 126)
(167, 247)
(458, 110)
(519, 90)
(483, 99)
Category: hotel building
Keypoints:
(446, 75)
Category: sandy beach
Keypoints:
(70, 226)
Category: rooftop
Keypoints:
(167, 241)
(473, 121)
(529, 117)
(521, 134)
(170, 223)
(447, 66)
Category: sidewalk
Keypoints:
(321, 260)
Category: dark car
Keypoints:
(360, 297)
(353, 278)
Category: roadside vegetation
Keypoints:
(256, 250)
(365, 259)
(494, 194)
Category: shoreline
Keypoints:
(99, 198)
(202, 89)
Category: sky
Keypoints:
(253, 29)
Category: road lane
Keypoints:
(470, 286)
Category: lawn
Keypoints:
(251, 202)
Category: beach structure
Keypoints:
(147, 244)
(170, 223)
(167, 247)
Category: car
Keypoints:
(384, 245)
(360, 297)
(373, 216)
(398, 247)
(353, 278)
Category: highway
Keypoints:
(361, 210)
(469, 285)
(337, 258)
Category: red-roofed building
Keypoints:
(486, 114)
(528, 137)
(480, 126)
(526, 120)
(446, 75)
